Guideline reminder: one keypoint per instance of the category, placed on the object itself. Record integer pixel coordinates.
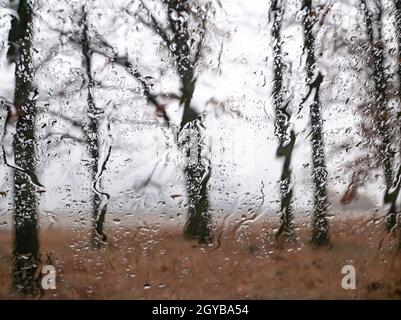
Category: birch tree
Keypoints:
(314, 79)
(284, 133)
(26, 256)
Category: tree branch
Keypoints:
(65, 136)
(154, 25)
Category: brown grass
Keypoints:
(154, 263)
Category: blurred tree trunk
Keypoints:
(92, 131)
(395, 190)
(26, 257)
(314, 78)
(185, 51)
(374, 25)
(197, 173)
(286, 140)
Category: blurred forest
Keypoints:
(149, 143)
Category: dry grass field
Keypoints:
(154, 263)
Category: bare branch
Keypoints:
(71, 121)
(64, 136)
(148, 180)
(32, 175)
(154, 25)
(160, 109)
(123, 62)
(325, 12)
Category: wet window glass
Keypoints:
(211, 149)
